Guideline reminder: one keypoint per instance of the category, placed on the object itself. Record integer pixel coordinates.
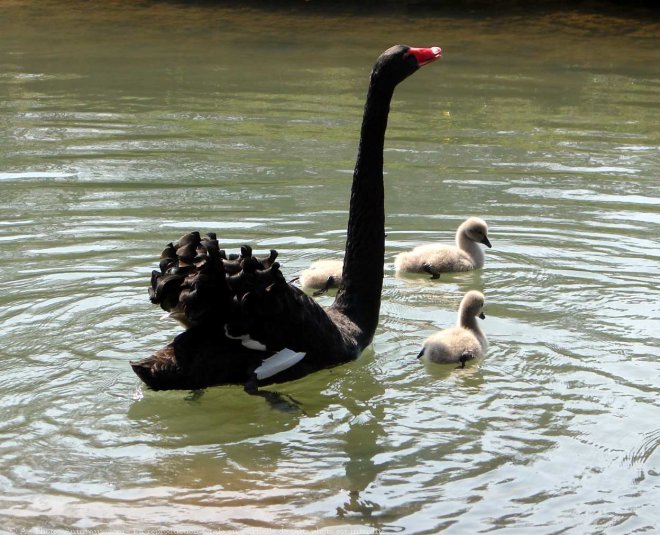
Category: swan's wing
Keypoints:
(235, 312)
(197, 284)
(283, 316)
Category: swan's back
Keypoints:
(444, 258)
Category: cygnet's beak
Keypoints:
(482, 316)
(486, 242)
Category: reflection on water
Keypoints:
(126, 126)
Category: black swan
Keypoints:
(240, 310)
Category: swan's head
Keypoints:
(472, 305)
(476, 230)
(400, 61)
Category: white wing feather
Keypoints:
(280, 361)
(253, 344)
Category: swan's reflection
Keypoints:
(225, 443)
(362, 442)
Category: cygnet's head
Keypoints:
(472, 305)
(476, 229)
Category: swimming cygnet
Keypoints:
(435, 258)
(463, 342)
(322, 275)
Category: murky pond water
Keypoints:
(122, 126)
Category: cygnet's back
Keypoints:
(322, 275)
(438, 258)
(463, 342)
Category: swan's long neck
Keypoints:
(467, 320)
(362, 278)
(470, 247)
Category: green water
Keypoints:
(123, 125)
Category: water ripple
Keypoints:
(109, 156)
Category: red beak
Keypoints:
(426, 55)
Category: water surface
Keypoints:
(125, 125)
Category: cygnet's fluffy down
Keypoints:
(463, 342)
(437, 258)
(322, 275)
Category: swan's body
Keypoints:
(433, 258)
(233, 306)
(322, 275)
(465, 341)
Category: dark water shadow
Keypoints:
(458, 8)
